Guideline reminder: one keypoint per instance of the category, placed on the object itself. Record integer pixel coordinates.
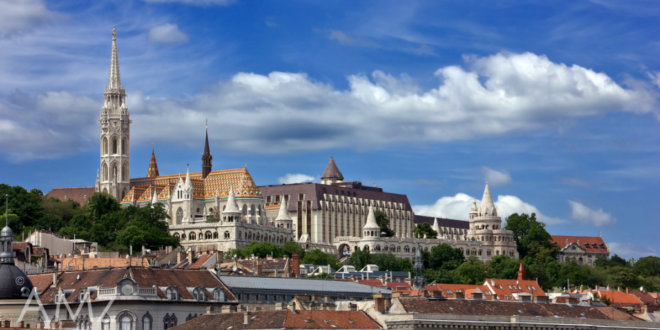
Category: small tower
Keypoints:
(522, 276)
(371, 228)
(207, 158)
(231, 212)
(331, 173)
(13, 282)
(474, 211)
(436, 227)
(419, 282)
(152, 171)
(283, 219)
(115, 133)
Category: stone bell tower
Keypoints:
(115, 133)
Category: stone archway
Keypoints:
(342, 249)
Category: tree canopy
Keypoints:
(531, 236)
(425, 229)
(383, 223)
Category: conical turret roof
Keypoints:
(188, 184)
(283, 214)
(487, 205)
(522, 276)
(152, 172)
(435, 226)
(371, 220)
(231, 207)
(332, 172)
(154, 197)
(207, 152)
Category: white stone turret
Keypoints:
(283, 219)
(187, 186)
(474, 211)
(231, 212)
(371, 228)
(436, 227)
(154, 197)
(487, 206)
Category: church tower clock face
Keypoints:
(114, 173)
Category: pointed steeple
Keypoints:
(283, 214)
(522, 276)
(152, 172)
(188, 184)
(231, 207)
(207, 158)
(114, 81)
(436, 227)
(371, 220)
(487, 205)
(154, 197)
(331, 173)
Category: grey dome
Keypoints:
(7, 232)
(12, 281)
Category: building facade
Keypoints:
(485, 239)
(583, 249)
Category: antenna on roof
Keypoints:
(6, 210)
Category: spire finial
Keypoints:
(207, 124)
(153, 145)
(6, 210)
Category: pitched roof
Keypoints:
(467, 289)
(596, 244)
(282, 319)
(443, 222)
(331, 171)
(505, 289)
(499, 308)
(398, 286)
(643, 296)
(79, 194)
(620, 297)
(90, 263)
(374, 283)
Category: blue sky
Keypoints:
(554, 103)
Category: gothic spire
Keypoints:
(114, 82)
(152, 172)
(207, 158)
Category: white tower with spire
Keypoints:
(115, 133)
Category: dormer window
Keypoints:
(219, 295)
(199, 294)
(172, 294)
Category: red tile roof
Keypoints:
(505, 289)
(591, 240)
(467, 289)
(398, 286)
(644, 297)
(374, 283)
(89, 263)
(620, 298)
(79, 194)
(282, 319)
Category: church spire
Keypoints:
(114, 82)
(207, 158)
(152, 172)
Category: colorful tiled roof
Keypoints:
(594, 244)
(217, 181)
(152, 172)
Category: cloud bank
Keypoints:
(458, 207)
(629, 250)
(496, 178)
(18, 16)
(289, 112)
(295, 178)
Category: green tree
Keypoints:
(101, 204)
(472, 271)
(648, 266)
(531, 236)
(64, 210)
(26, 205)
(440, 276)
(318, 257)
(425, 229)
(360, 258)
(291, 247)
(444, 256)
(617, 261)
(503, 267)
(50, 222)
(384, 224)
(144, 227)
(391, 263)
(81, 222)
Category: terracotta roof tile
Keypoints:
(80, 194)
(505, 289)
(374, 283)
(644, 297)
(90, 263)
(596, 244)
(619, 297)
(492, 307)
(398, 286)
(329, 320)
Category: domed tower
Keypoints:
(14, 284)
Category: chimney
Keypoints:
(618, 288)
(54, 280)
(295, 264)
(221, 257)
(379, 300)
(567, 242)
(578, 242)
(246, 317)
(581, 288)
(191, 256)
(396, 294)
(627, 289)
(381, 279)
(180, 256)
(608, 288)
(259, 268)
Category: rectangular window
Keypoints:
(309, 219)
(301, 197)
(299, 219)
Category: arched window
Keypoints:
(219, 295)
(199, 294)
(146, 322)
(215, 235)
(123, 147)
(172, 294)
(114, 146)
(207, 235)
(252, 210)
(114, 172)
(105, 324)
(104, 145)
(124, 172)
(227, 234)
(105, 172)
(245, 209)
(125, 322)
(176, 235)
(192, 236)
(179, 216)
(479, 252)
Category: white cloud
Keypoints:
(628, 250)
(296, 178)
(289, 112)
(458, 207)
(167, 33)
(341, 37)
(496, 178)
(588, 216)
(195, 2)
(23, 15)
